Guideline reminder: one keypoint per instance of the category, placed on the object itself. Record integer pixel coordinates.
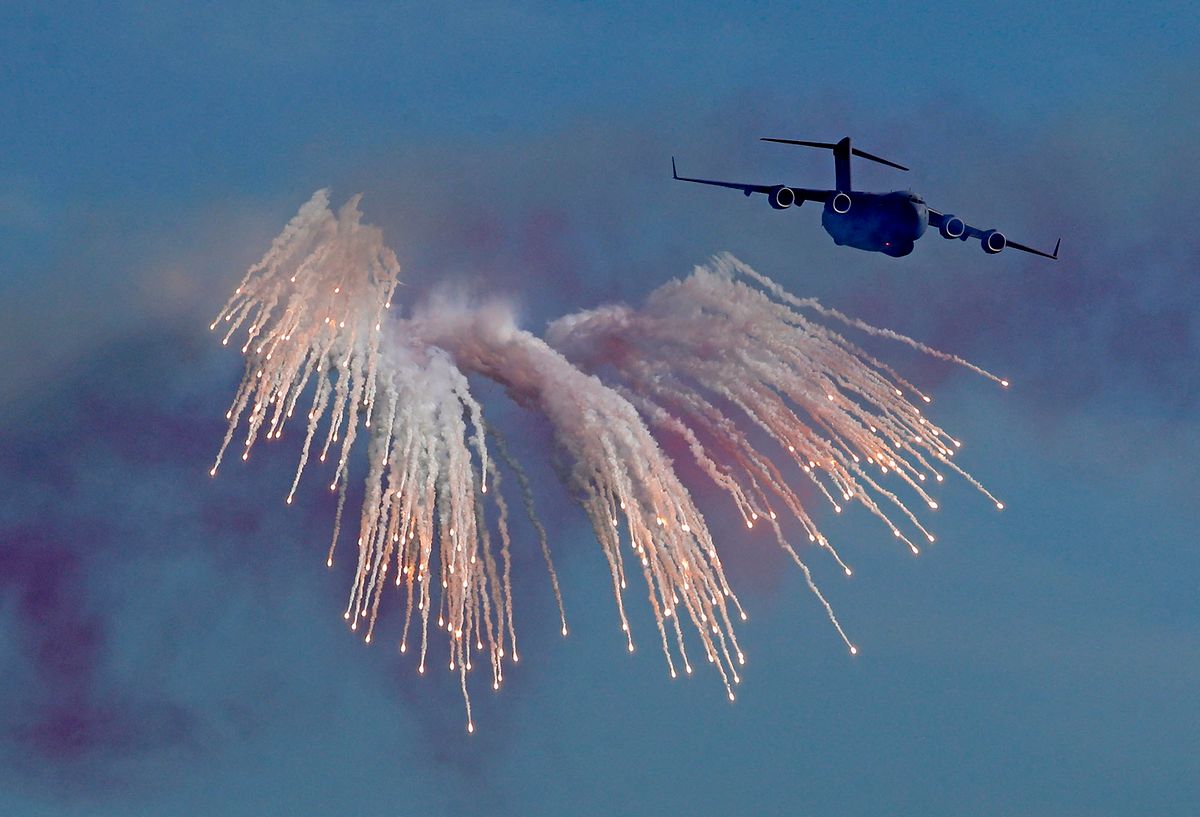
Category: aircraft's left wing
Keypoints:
(993, 241)
(802, 194)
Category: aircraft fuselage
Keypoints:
(877, 222)
(889, 223)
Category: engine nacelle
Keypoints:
(840, 203)
(952, 227)
(993, 241)
(782, 197)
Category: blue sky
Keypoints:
(171, 644)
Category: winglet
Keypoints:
(674, 172)
(1052, 256)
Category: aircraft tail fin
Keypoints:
(842, 151)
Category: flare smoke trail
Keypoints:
(706, 360)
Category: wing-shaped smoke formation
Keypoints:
(724, 360)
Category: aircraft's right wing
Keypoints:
(993, 241)
(802, 194)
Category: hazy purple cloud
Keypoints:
(174, 642)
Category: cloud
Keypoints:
(151, 613)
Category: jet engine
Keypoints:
(840, 203)
(993, 241)
(782, 197)
(952, 227)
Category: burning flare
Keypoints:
(705, 360)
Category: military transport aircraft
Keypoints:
(877, 222)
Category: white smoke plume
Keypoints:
(744, 374)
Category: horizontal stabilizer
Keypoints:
(831, 146)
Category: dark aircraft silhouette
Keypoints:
(877, 222)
